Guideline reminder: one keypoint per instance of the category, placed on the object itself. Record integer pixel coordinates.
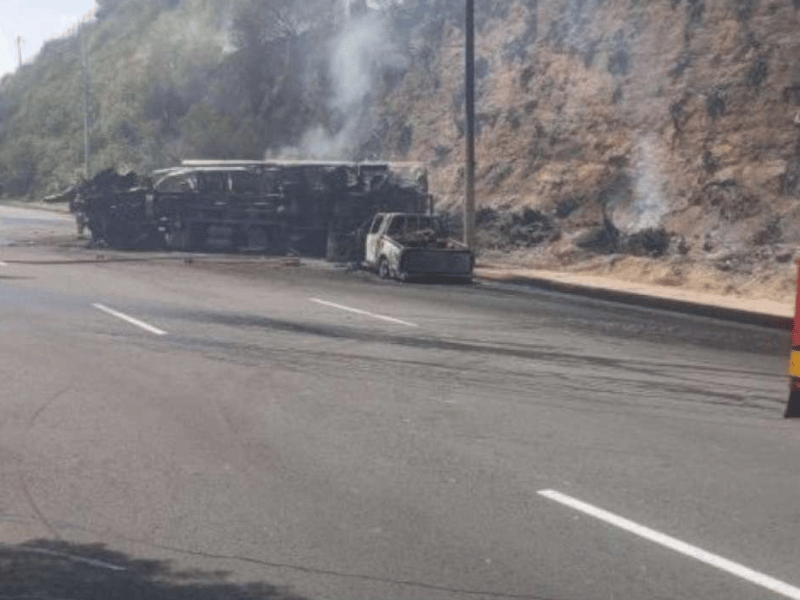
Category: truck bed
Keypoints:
(441, 262)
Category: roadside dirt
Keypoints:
(767, 288)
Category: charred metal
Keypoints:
(277, 207)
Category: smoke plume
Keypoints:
(360, 54)
(650, 204)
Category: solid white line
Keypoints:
(129, 319)
(765, 581)
(363, 312)
(79, 559)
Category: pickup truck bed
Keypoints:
(417, 262)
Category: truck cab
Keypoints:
(404, 245)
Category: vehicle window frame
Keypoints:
(376, 224)
(397, 225)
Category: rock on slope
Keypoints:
(627, 125)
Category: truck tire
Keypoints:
(177, 240)
(384, 272)
(254, 239)
(187, 238)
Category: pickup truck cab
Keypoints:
(406, 245)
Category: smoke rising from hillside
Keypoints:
(650, 203)
(360, 54)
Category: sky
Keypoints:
(36, 21)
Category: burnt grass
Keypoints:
(510, 230)
(607, 239)
(529, 228)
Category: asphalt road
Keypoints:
(241, 428)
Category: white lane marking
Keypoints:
(2, 264)
(765, 581)
(129, 319)
(363, 312)
(93, 562)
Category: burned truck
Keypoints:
(275, 207)
(406, 245)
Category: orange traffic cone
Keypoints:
(793, 406)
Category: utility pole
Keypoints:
(19, 41)
(85, 86)
(469, 88)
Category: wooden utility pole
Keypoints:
(469, 87)
(19, 41)
(85, 87)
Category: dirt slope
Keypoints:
(669, 127)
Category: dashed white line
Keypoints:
(3, 264)
(765, 581)
(133, 321)
(363, 312)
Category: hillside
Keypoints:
(665, 128)
(167, 79)
(619, 126)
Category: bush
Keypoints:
(648, 242)
(602, 239)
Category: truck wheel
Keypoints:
(177, 239)
(256, 239)
(383, 269)
(80, 223)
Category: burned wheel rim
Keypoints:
(383, 269)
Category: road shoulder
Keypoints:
(743, 310)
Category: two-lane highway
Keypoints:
(321, 434)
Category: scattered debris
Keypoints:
(67, 196)
(506, 230)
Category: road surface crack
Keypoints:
(50, 401)
(37, 511)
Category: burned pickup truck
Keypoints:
(406, 245)
(276, 207)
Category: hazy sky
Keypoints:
(36, 21)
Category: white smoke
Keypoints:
(317, 142)
(360, 54)
(650, 206)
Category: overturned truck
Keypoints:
(276, 207)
